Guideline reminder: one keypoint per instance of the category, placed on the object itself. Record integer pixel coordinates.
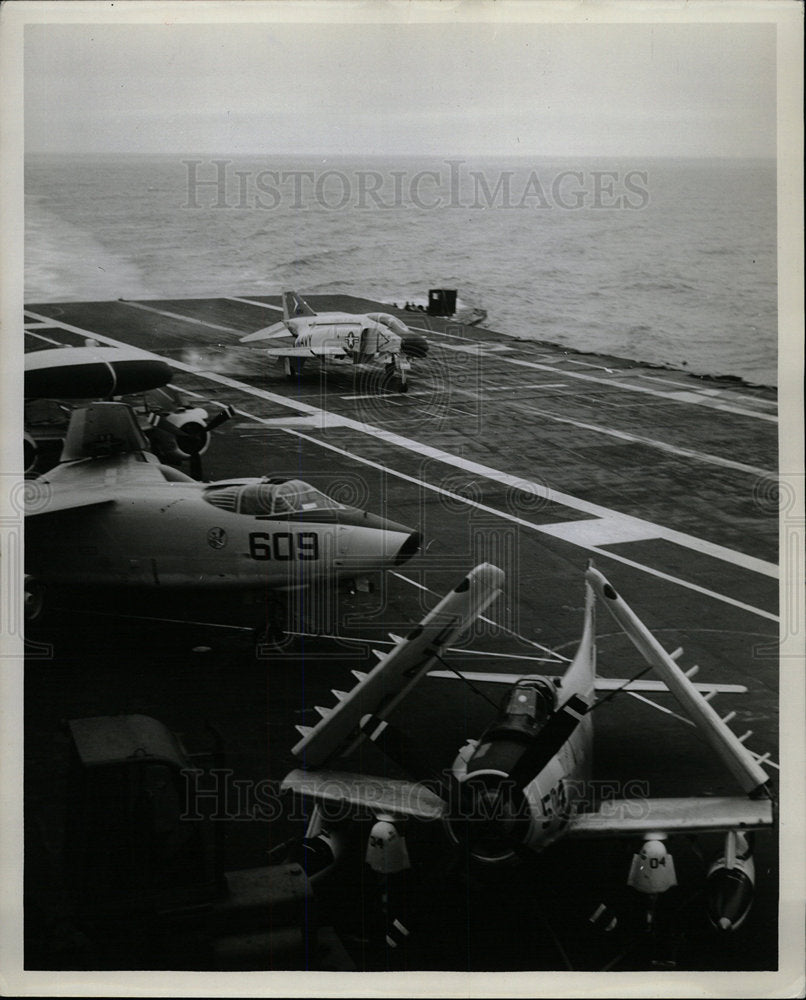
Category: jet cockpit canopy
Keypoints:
(267, 497)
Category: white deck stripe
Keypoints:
(688, 397)
(185, 319)
(547, 529)
(524, 385)
(760, 400)
(537, 489)
(531, 642)
(441, 333)
(482, 349)
(254, 302)
(691, 396)
(39, 336)
(671, 449)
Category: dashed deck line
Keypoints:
(671, 449)
(683, 396)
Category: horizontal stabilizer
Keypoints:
(398, 671)
(267, 333)
(642, 817)
(376, 795)
(601, 683)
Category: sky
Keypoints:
(479, 88)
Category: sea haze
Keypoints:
(667, 261)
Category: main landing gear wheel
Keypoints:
(392, 376)
(292, 368)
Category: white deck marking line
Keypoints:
(524, 385)
(691, 586)
(532, 642)
(688, 722)
(46, 339)
(588, 364)
(451, 649)
(516, 482)
(599, 531)
(544, 529)
(760, 400)
(185, 319)
(710, 401)
(700, 456)
(480, 350)
(590, 534)
(441, 333)
(686, 397)
(254, 302)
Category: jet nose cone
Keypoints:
(373, 541)
(414, 345)
(409, 548)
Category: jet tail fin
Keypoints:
(294, 306)
(100, 430)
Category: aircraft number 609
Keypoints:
(284, 545)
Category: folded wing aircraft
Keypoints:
(520, 787)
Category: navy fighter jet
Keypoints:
(342, 339)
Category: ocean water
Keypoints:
(667, 261)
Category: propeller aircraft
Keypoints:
(176, 432)
(522, 785)
(342, 339)
(112, 521)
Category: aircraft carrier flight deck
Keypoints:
(518, 453)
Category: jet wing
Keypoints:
(643, 817)
(601, 684)
(360, 713)
(376, 795)
(307, 352)
(736, 757)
